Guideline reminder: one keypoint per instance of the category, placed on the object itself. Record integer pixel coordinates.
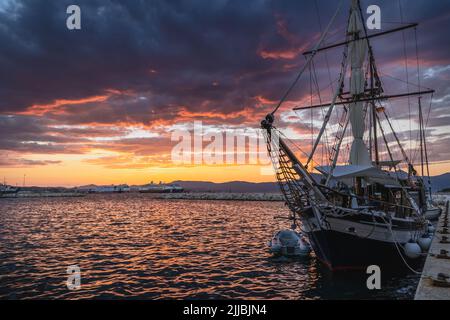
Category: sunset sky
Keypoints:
(99, 105)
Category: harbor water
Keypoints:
(133, 246)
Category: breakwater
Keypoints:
(31, 194)
(222, 196)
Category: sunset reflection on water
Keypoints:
(133, 246)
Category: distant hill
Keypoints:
(438, 183)
(441, 182)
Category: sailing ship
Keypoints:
(363, 210)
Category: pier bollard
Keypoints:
(443, 254)
(442, 280)
(444, 239)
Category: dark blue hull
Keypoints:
(341, 252)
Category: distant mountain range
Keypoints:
(438, 183)
(441, 182)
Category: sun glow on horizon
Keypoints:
(73, 173)
(76, 172)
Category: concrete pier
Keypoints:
(435, 280)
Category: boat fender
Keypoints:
(304, 246)
(274, 245)
(425, 242)
(412, 250)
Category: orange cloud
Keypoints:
(42, 109)
(265, 101)
(56, 106)
(297, 47)
(206, 114)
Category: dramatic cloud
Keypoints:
(26, 163)
(138, 68)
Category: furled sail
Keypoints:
(359, 154)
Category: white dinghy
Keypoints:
(289, 243)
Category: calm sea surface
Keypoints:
(132, 246)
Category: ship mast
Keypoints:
(298, 186)
(423, 150)
(374, 142)
(359, 154)
(358, 47)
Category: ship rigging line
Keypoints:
(417, 210)
(310, 58)
(294, 144)
(421, 133)
(405, 54)
(384, 74)
(328, 188)
(326, 55)
(423, 126)
(402, 150)
(426, 153)
(417, 57)
(412, 25)
(349, 100)
(397, 244)
(325, 146)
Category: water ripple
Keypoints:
(132, 246)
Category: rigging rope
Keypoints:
(325, 53)
(295, 145)
(397, 244)
(401, 80)
(311, 57)
(416, 210)
(417, 58)
(407, 79)
(419, 134)
(325, 146)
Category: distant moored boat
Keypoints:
(160, 188)
(6, 190)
